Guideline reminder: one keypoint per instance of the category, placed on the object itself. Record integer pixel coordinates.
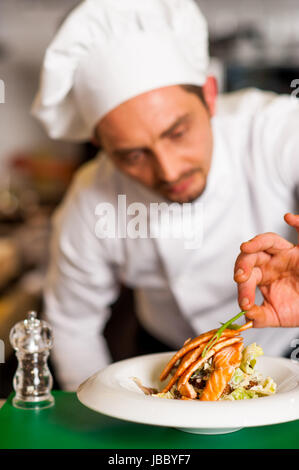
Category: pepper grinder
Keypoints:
(32, 340)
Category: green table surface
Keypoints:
(70, 425)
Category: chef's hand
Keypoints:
(271, 263)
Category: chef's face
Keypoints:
(163, 139)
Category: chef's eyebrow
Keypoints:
(177, 122)
(180, 120)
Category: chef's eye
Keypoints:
(134, 157)
(178, 133)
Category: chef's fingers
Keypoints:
(292, 220)
(269, 242)
(263, 316)
(246, 290)
(246, 262)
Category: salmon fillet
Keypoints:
(194, 343)
(225, 363)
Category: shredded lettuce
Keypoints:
(241, 394)
(237, 378)
(267, 387)
(249, 357)
(245, 375)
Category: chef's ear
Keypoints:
(210, 91)
(95, 139)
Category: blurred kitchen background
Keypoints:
(253, 43)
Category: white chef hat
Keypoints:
(108, 51)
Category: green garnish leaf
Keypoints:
(233, 326)
(218, 333)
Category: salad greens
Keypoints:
(246, 382)
(249, 357)
(238, 377)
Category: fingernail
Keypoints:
(239, 272)
(244, 302)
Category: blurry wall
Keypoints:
(26, 27)
(275, 21)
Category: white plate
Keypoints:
(112, 391)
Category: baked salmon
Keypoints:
(225, 363)
(192, 344)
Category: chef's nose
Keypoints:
(167, 166)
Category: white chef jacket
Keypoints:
(252, 183)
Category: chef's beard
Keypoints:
(161, 187)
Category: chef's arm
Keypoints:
(80, 287)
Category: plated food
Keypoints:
(215, 366)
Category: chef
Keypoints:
(132, 77)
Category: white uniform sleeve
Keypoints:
(277, 126)
(80, 286)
